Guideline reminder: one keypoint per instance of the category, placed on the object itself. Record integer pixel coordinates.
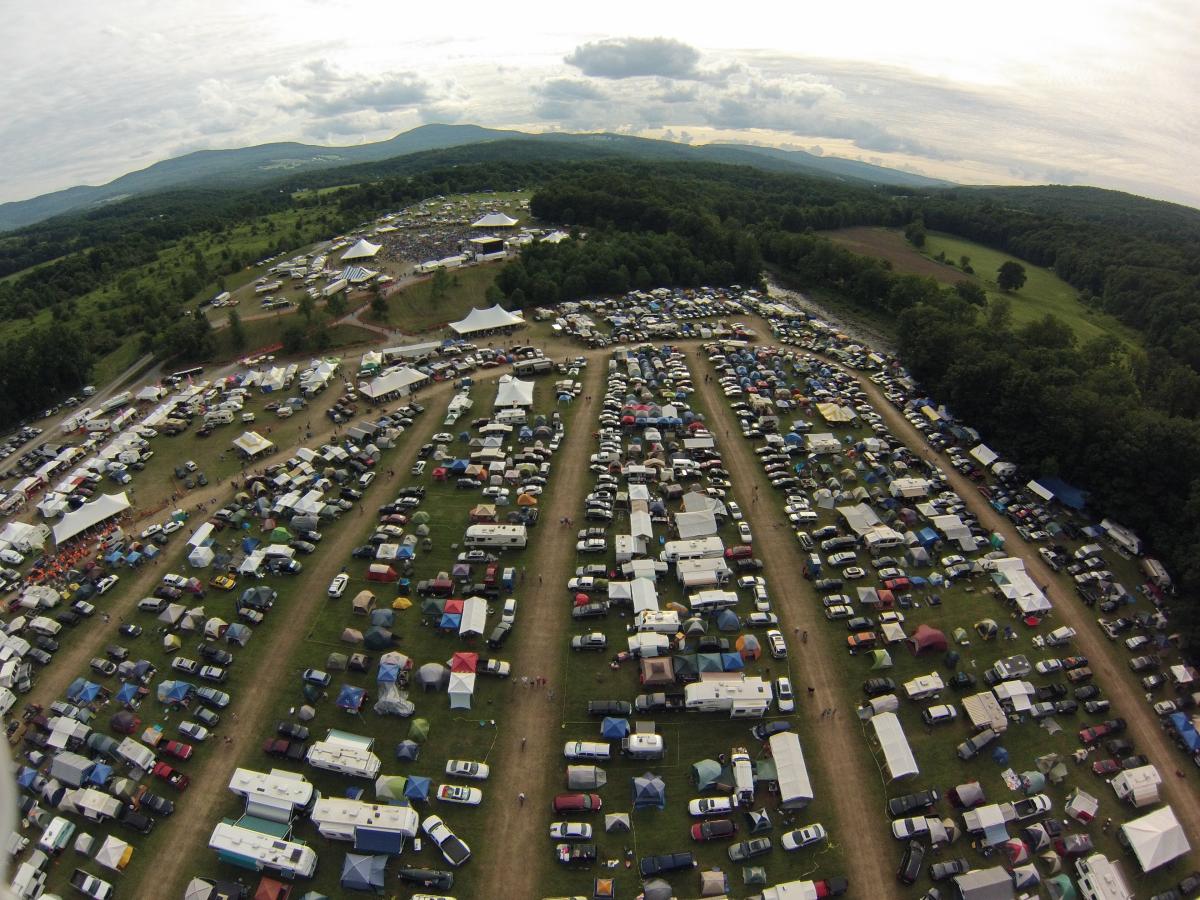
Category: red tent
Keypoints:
(454, 607)
(464, 662)
(926, 639)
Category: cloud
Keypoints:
(323, 89)
(635, 57)
(562, 99)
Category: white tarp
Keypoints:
(898, 756)
(795, 788)
(695, 524)
(201, 535)
(1156, 839)
(1041, 490)
(985, 455)
(514, 392)
(486, 320)
(89, 515)
(364, 249)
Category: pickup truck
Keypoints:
(173, 777)
(658, 702)
(665, 862)
(90, 885)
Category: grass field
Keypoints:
(1044, 292)
(415, 310)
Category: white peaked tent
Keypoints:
(364, 249)
(486, 320)
(555, 237)
(252, 443)
(1156, 839)
(90, 514)
(397, 381)
(462, 686)
(494, 220)
(514, 392)
(474, 616)
(897, 754)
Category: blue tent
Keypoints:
(248, 544)
(450, 620)
(1183, 727)
(408, 750)
(26, 776)
(649, 792)
(1000, 756)
(82, 691)
(126, 692)
(458, 466)
(176, 691)
(100, 774)
(404, 552)
(383, 617)
(732, 662)
(388, 672)
(417, 787)
(1067, 494)
(114, 558)
(613, 728)
(927, 537)
(351, 698)
(727, 620)
(363, 873)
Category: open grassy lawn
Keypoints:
(415, 309)
(1044, 292)
(962, 605)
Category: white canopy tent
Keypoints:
(898, 756)
(1014, 582)
(397, 381)
(462, 686)
(490, 319)
(985, 455)
(791, 772)
(695, 524)
(1156, 839)
(514, 392)
(89, 515)
(364, 249)
(252, 444)
(495, 220)
(474, 616)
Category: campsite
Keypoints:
(695, 555)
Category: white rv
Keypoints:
(496, 536)
(261, 852)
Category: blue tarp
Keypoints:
(82, 691)
(100, 774)
(388, 672)
(26, 776)
(1067, 494)
(613, 728)
(1181, 723)
(351, 698)
(927, 536)
(372, 840)
(417, 787)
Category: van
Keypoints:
(56, 836)
(743, 777)
(804, 517)
(587, 750)
(151, 604)
(643, 746)
(970, 748)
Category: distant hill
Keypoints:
(266, 163)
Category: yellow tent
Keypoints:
(401, 603)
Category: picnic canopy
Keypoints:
(495, 220)
(361, 872)
(252, 444)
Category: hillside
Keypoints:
(263, 164)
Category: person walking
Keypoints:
(521, 799)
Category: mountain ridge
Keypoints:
(260, 164)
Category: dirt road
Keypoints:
(210, 778)
(841, 753)
(538, 649)
(1105, 658)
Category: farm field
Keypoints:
(1044, 292)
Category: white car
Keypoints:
(175, 581)
(570, 831)
(948, 561)
(784, 697)
(776, 644)
(940, 714)
(735, 511)
(853, 573)
(1048, 666)
(592, 545)
(151, 532)
(711, 806)
(508, 612)
(465, 768)
(803, 837)
(337, 587)
(762, 619)
(842, 559)
(744, 533)
(457, 793)
(914, 826)
(193, 731)
(171, 527)
(104, 584)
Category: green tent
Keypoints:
(706, 773)
(418, 730)
(1060, 887)
(880, 659)
(961, 636)
(420, 518)
(432, 606)
(311, 692)
(336, 662)
(685, 665)
(280, 535)
(390, 787)
(709, 662)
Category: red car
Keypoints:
(1106, 767)
(713, 830)
(741, 552)
(1093, 734)
(173, 777)
(577, 803)
(178, 749)
(897, 584)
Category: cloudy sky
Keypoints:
(1103, 92)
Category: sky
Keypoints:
(1097, 92)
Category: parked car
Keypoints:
(803, 837)
(744, 850)
(713, 829)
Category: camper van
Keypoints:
(643, 746)
(743, 777)
(56, 836)
(537, 366)
(496, 536)
(218, 417)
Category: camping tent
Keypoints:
(927, 639)
(706, 773)
(898, 756)
(649, 792)
(114, 853)
(361, 872)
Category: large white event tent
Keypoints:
(514, 392)
(364, 249)
(494, 220)
(398, 381)
(89, 515)
(898, 756)
(490, 319)
(1156, 839)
